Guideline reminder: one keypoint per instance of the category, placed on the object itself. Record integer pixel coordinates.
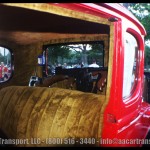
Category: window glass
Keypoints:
(5, 64)
(130, 64)
(74, 55)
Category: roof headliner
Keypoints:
(25, 26)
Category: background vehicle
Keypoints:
(101, 106)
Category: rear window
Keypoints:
(75, 55)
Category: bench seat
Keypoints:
(44, 113)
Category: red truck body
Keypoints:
(123, 119)
(126, 120)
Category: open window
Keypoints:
(84, 60)
(75, 55)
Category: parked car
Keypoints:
(105, 106)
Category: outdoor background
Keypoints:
(142, 12)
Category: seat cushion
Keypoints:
(45, 113)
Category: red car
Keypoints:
(105, 106)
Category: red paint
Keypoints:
(123, 119)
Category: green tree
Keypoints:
(96, 53)
(88, 52)
(75, 54)
(57, 53)
(1, 57)
(147, 57)
(82, 49)
(142, 13)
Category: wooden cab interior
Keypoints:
(26, 29)
(54, 105)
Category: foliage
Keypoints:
(75, 54)
(96, 54)
(57, 53)
(6, 59)
(147, 56)
(1, 57)
(142, 11)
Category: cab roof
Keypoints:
(27, 23)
